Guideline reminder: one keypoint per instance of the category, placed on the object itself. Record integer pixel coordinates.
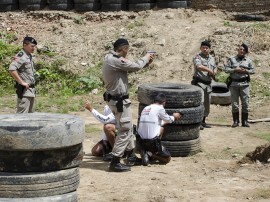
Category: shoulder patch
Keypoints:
(198, 57)
(20, 54)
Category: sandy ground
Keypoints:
(212, 175)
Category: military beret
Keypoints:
(30, 39)
(245, 47)
(206, 43)
(120, 42)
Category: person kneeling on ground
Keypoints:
(104, 146)
(150, 130)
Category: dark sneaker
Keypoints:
(107, 157)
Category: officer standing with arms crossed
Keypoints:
(22, 70)
(240, 67)
(115, 74)
(204, 72)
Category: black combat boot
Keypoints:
(235, 119)
(116, 166)
(132, 159)
(245, 120)
(203, 124)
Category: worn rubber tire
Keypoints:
(87, 7)
(7, 2)
(60, 1)
(61, 7)
(113, 7)
(172, 4)
(183, 148)
(140, 1)
(188, 115)
(141, 6)
(31, 7)
(8, 7)
(181, 132)
(41, 161)
(40, 131)
(178, 95)
(113, 1)
(40, 184)
(85, 1)
(220, 94)
(69, 197)
(32, 2)
(249, 17)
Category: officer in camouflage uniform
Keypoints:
(240, 67)
(204, 72)
(22, 70)
(115, 74)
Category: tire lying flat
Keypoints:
(220, 94)
(40, 131)
(178, 95)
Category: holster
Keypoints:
(194, 81)
(19, 90)
(119, 105)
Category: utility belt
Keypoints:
(242, 79)
(196, 80)
(119, 98)
(20, 88)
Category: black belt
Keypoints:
(241, 79)
(117, 97)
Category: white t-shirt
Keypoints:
(108, 117)
(151, 120)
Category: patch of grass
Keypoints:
(256, 62)
(263, 193)
(222, 77)
(260, 25)
(91, 129)
(259, 89)
(227, 24)
(261, 134)
(78, 20)
(266, 75)
(136, 23)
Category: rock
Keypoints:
(139, 43)
(94, 91)
(169, 15)
(83, 63)
(161, 42)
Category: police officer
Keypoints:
(115, 74)
(22, 70)
(240, 67)
(204, 72)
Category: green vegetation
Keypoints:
(266, 75)
(91, 129)
(263, 193)
(51, 77)
(262, 135)
(222, 77)
(227, 24)
(78, 20)
(259, 89)
(136, 23)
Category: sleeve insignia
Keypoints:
(20, 54)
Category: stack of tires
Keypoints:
(8, 5)
(40, 155)
(114, 5)
(172, 4)
(87, 5)
(182, 138)
(64, 5)
(139, 5)
(32, 5)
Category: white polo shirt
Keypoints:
(151, 120)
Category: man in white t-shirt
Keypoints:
(104, 146)
(150, 130)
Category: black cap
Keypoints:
(120, 42)
(30, 39)
(206, 43)
(245, 47)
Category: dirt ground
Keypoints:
(210, 176)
